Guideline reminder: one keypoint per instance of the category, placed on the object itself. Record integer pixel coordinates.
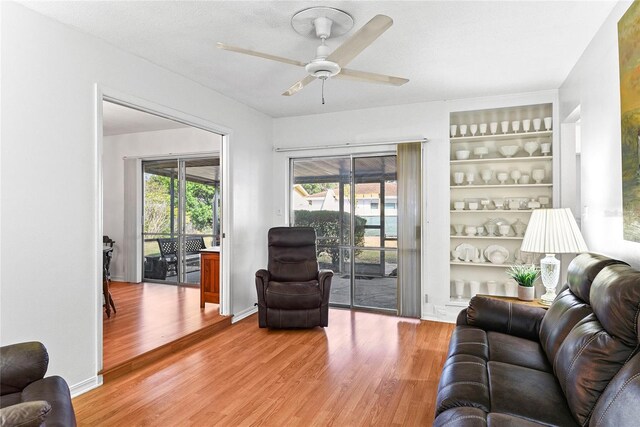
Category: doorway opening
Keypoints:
(161, 186)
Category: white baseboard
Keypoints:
(117, 279)
(244, 313)
(85, 386)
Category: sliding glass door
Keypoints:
(181, 216)
(359, 244)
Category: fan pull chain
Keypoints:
(323, 91)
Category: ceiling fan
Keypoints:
(323, 22)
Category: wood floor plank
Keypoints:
(364, 369)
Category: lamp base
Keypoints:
(550, 273)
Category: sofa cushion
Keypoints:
(583, 270)
(565, 313)
(599, 345)
(527, 393)
(615, 299)
(26, 414)
(517, 351)
(618, 404)
(291, 295)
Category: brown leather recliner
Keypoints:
(26, 396)
(577, 364)
(293, 292)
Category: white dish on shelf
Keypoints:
(481, 151)
(496, 254)
(468, 252)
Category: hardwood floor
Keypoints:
(149, 316)
(363, 369)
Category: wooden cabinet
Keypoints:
(210, 278)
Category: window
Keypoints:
(375, 205)
(389, 205)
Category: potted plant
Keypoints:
(525, 275)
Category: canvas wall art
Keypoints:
(629, 57)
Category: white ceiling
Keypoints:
(448, 49)
(119, 120)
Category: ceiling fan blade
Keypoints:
(364, 76)
(297, 87)
(260, 54)
(360, 40)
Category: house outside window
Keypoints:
(375, 205)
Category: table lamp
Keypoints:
(552, 231)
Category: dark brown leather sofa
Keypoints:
(293, 292)
(26, 396)
(575, 364)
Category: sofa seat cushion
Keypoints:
(517, 351)
(527, 393)
(293, 295)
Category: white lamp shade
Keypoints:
(553, 231)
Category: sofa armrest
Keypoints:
(506, 317)
(462, 318)
(324, 280)
(21, 364)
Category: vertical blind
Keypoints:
(409, 164)
(132, 251)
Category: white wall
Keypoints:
(395, 123)
(594, 85)
(141, 144)
(49, 196)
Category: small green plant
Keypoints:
(524, 274)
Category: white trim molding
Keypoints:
(85, 386)
(244, 314)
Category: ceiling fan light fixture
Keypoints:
(321, 68)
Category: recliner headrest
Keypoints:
(615, 300)
(292, 236)
(583, 269)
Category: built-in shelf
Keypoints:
(501, 159)
(494, 190)
(500, 186)
(502, 136)
(491, 210)
(455, 236)
(478, 264)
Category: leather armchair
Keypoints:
(292, 291)
(28, 398)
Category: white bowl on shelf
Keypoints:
(462, 154)
(508, 150)
(458, 206)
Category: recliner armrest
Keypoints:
(324, 280)
(21, 364)
(506, 317)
